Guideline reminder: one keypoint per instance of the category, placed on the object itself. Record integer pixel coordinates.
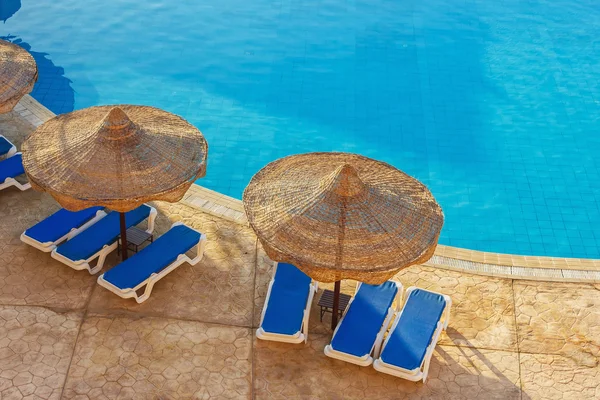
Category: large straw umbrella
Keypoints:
(115, 156)
(18, 74)
(342, 216)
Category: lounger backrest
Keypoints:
(104, 232)
(363, 320)
(5, 146)
(287, 275)
(153, 258)
(11, 167)
(408, 342)
(287, 301)
(60, 223)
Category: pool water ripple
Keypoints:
(494, 105)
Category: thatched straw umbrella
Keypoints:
(115, 156)
(342, 216)
(18, 74)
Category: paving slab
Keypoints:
(284, 371)
(141, 358)
(559, 318)
(554, 377)
(36, 345)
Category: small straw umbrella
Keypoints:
(342, 216)
(18, 74)
(118, 157)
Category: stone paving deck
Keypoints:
(63, 336)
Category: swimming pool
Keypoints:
(494, 105)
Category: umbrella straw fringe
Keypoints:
(115, 156)
(342, 216)
(18, 74)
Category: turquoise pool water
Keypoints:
(494, 105)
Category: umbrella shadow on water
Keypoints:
(53, 89)
(8, 8)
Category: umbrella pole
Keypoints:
(336, 304)
(123, 236)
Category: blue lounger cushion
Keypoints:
(11, 167)
(104, 232)
(153, 258)
(362, 322)
(408, 343)
(287, 301)
(60, 223)
(5, 146)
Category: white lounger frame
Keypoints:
(49, 246)
(420, 373)
(367, 359)
(8, 182)
(100, 255)
(12, 151)
(155, 277)
(302, 334)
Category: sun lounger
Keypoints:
(60, 226)
(9, 170)
(7, 149)
(287, 306)
(100, 239)
(408, 348)
(154, 262)
(360, 332)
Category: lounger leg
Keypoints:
(13, 182)
(101, 258)
(426, 365)
(147, 291)
(447, 311)
(313, 290)
(151, 219)
(97, 268)
(24, 187)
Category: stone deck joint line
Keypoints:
(539, 268)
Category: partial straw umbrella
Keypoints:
(117, 157)
(342, 216)
(18, 74)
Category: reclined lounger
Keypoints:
(154, 262)
(60, 226)
(287, 306)
(360, 332)
(9, 170)
(408, 348)
(100, 239)
(7, 149)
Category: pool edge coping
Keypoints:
(501, 265)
